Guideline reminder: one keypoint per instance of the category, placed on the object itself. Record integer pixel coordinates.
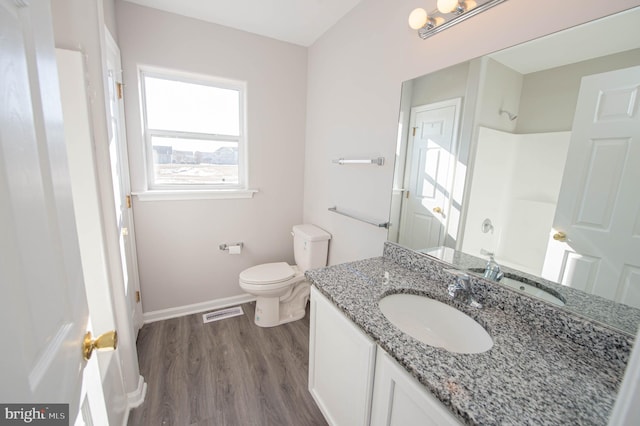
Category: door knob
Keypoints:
(560, 236)
(104, 341)
(437, 210)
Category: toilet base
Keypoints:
(273, 311)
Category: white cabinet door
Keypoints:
(341, 363)
(398, 398)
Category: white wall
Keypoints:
(500, 90)
(533, 197)
(177, 241)
(495, 159)
(515, 183)
(354, 76)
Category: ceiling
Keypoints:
(300, 22)
(612, 34)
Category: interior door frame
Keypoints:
(135, 386)
(112, 52)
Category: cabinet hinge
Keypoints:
(119, 90)
(138, 296)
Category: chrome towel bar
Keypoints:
(379, 225)
(379, 161)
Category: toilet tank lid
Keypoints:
(311, 233)
(267, 273)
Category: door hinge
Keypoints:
(128, 200)
(119, 89)
(138, 296)
(406, 194)
(414, 131)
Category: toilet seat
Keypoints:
(267, 273)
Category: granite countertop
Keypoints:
(545, 367)
(617, 315)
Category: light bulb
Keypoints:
(470, 5)
(417, 18)
(447, 6)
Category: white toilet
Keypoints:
(281, 289)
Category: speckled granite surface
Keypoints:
(546, 366)
(621, 317)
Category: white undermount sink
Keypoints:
(435, 323)
(531, 290)
(512, 281)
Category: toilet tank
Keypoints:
(310, 246)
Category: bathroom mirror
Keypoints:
(486, 159)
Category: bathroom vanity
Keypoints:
(546, 365)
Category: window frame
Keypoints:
(182, 191)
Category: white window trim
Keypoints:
(185, 192)
(195, 194)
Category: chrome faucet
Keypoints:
(461, 289)
(492, 270)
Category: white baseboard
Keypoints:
(135, 398)
(180, 311)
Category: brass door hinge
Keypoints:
(128, 200)
(138, 296)
(119, 90)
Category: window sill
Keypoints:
(200, 194)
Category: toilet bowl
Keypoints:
(281, 290)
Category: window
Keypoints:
(194, 132)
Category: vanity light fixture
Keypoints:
(447, 14)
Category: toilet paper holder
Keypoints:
(226, 246)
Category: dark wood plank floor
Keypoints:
(228, 372)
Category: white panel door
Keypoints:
(43, 308)
(431, 163)
(599, 203)
(120, 182)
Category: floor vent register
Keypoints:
(222, 314)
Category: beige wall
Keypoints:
(354, 76)
(440, 85)
(177, 241)
(109, 11)
(559, 87)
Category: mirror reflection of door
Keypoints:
(597, 222)
(431, 159)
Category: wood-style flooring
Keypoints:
(228, 372)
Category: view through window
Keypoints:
(194, 132)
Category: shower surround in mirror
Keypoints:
(515, 184)
(517, 121)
